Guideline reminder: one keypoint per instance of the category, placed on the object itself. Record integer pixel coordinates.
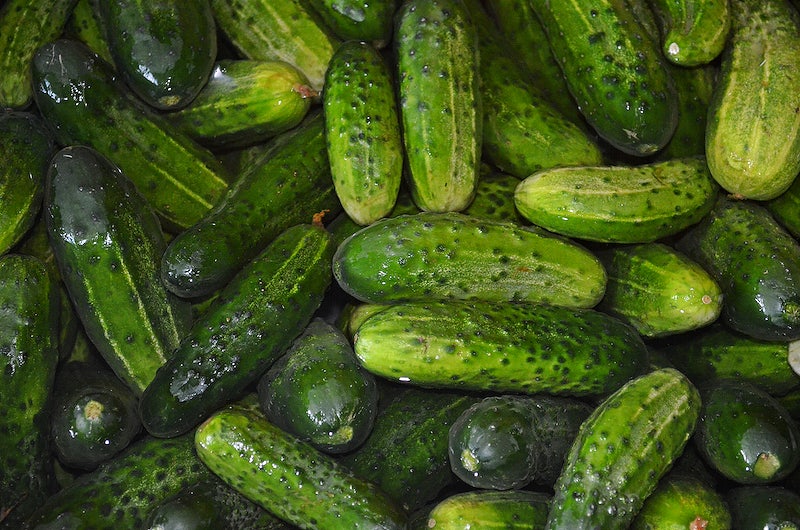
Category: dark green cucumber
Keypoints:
(436, 49)
(362, 130)
(357, 20)
(285, 186)
(683, 502)
(658, 290)
(122, 492)
(177, 177)
(753, 129)
(509, 441)
(757, 265)
(619, 204)
(26, 25)
(785, 208)
(693, 32)
(764, 507)
(745, 434)
(488, 510)
(25, 147)
(614, 70)
(494, 198)
(286, 31)
(28, 318)
(502, 347)
(318, 392)
(450, 256)
(163, 50)
(406, 453)
(83, 25)
(622, 450)
(107, 242)
(251, 323)
(246, 102)
(289, 477)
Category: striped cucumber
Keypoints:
(694, 32)
(436, 48)
(509, 510)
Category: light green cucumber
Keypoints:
(683, 503)
(489, 510)
(694, 32)
(83, 25)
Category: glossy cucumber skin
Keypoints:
(764, 507)
(619, 204)
(508, 510)
(757, 265)
(680, 502)
(436, 49)
(614, 70)
(452, 256)
(753, 130)
(502, 347)
(694, 32)
(84, 103)
(107, 251)
(28, 314)
(288, 477)
(362, 131)
(84, 25)
(164, 50)
(250, 324)
(628, 442)
(357, 20)
(658, 290)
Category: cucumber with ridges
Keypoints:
(694, 32)
(683, 502)
(509, 510)
(358, 20)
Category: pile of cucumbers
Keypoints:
(400, 264)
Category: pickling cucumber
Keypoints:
(682, 502)
(764, 507)
(509, 510)
(693, 32)
(358, 20)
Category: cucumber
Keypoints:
(252, 322)
(357, 20)
(683, 502)
(785, 207)
(501, 347)
(507, 442)
(494, 198)
(179, 179)
(26, 25)
(122, 492)
(245, 102)
(318, 392)
(449, 256)
(436, 50)
(753, 130)
(745, 434)
(285, 186)
(614, 70)
(107, 249)
(693, 32)
(28, 314)
(616, 203)
(622, 450)
(163, 50)
(757, 265)
(83, 25)
(288, 477)
(764, 507)
(658, 290)
(342, 226)
(362, 131)
(509, 510)
(26, 147)
(287, 31)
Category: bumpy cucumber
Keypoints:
(764, 507)
(629, 441)
(619, 204)
(455, 256)
(107, 250)
(357, 20)
(251, 323)
(501, 347)
(695, 87)
(85, 104)
(362, 130)
(28, 317)
(436, 48)
(683, 502)
(84, 25)
(614, 70)
(494, 197)
(658, 290)
(289, 477)
(509, 510)
(694, 32)
(756, 263)
(753, 130)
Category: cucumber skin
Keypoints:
(757, 265)
(289, 477)
(356, 20)
(252, 322)
(285, 186)
(362, 132)
(681, 502)
(440, 102)
(107, 252)
(508, 510)
(694, 32)
(494, 198)
(450, 256)
(764, 507)
(507, 347)
(181, 180)
(628, 442)
(28, 313)
(753, 129)
(614, 70)
(83, 25)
